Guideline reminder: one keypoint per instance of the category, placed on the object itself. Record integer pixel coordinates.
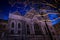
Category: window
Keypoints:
(1, 26)
(4, 26)
(12, 25)
(12, 31)
(46, 30)
(37, 29)
(15, 39)
(18, 31)
(28, 30)
(18, 25)
(53, 33)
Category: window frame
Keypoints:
(12, 24)
(19, 25)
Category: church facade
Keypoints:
(32, 26)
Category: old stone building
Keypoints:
(33, 25)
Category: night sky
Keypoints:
(23, 6)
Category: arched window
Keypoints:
(12, 24)
(28, 30)
(19, 25)
(38, 30)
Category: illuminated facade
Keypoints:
(33, 25)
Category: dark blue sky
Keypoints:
(6, 7)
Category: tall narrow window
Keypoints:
(18, 31)
(12, 31)
(19, 25)
(4, 26)
(53, 33)
(28, 30)
(12, 25)
(46, 30)
(37, 29)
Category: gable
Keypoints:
(16, 13)
(31, 13)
